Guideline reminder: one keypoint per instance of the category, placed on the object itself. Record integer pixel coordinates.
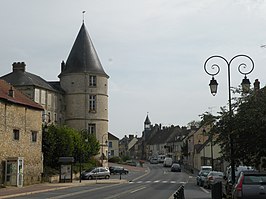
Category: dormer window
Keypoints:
(92, 80)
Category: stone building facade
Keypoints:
(47, 94)
(79, 99)
(21, 138)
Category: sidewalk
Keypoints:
(45, 187)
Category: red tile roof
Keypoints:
(19, 98)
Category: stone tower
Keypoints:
(147, 124)
(85, 84)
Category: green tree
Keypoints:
(59, 141)
(249, 136)
(247, 126)
(207, 119)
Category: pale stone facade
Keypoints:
(85, 86)
(38, 90)
(19, 115)
(113, 146)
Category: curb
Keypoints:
(65, 186)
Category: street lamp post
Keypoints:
(102, 146)
(211, 152)
(245, 88)
(84, 134)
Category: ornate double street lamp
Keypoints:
(212, 68)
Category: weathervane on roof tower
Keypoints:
(83, 14)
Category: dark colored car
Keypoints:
(131, 163)
(250, 185)
(176, 167)
(202, 177)
(118, 170)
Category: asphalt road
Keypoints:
(158, 183)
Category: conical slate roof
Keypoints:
(147, 120)
(83, 56)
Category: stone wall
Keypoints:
(26, 120)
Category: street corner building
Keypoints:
(20, 137)
(79, 99)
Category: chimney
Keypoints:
(131, 137)
(63, 66)
(256, 85)
(19, 66)
(11, 92)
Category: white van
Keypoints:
(167, 162)
(206, 168)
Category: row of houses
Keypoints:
(191, 146)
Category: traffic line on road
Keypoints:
(80, 192)
(125, 192)
(157, 181)
(137, 189)
(206, 191)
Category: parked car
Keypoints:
(161, 158)
(250, 185)
(168, 162)
(154, 160)
(212, 178)
(201, 177)
(176, 167)
(98, 172)
(206, 168)
(227, 182)
(118, 170)
(131, 163)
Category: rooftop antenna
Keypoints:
(83, 13)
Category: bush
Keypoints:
(125, 158)
(48, 171)
(115, 160)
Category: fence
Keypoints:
(179, 194)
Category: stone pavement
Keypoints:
(45, 187)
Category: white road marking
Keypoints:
(206, 191)
(137, 189)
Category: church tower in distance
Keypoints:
(85, 84)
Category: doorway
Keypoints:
(14, 171)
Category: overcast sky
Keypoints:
(153, 50)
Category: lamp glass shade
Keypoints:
(213, 86)
(245, 85)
